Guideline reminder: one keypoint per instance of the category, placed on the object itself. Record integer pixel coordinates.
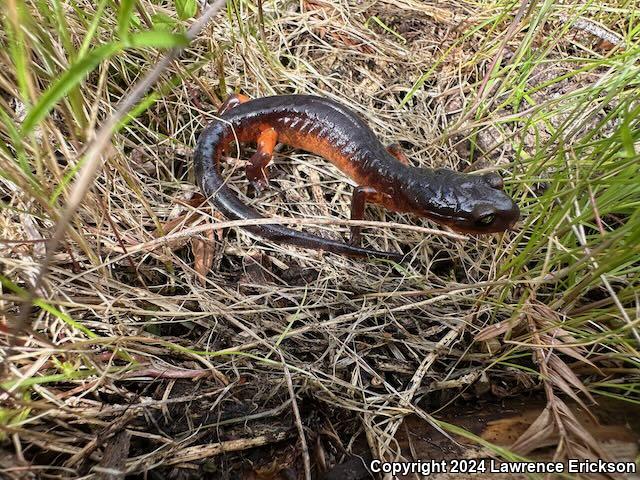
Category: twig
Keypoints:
(296, 414)
(596, 29)
(198, 452)
(189, 232)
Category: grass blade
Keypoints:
(69, 79)
(124, 17)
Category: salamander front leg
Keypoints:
(396, 150)
(232, 101)
(257, 167)
(359, 199)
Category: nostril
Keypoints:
(494, 180)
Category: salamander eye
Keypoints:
(486, 220)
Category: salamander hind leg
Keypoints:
(396, 150)
(362, 195)
(232, 101)
(257, 167)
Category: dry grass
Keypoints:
(129, 338)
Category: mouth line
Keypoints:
(464, 225)
(447, 219)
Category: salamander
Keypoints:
(467, 203)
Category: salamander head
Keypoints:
(467, 203)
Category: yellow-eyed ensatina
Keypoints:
(466, 202)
